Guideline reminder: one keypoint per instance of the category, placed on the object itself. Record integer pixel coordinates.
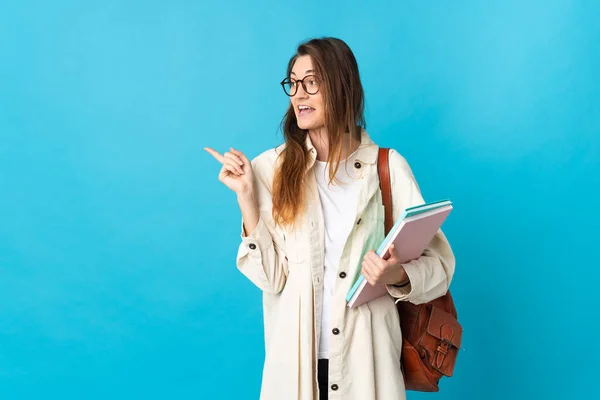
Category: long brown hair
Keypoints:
(343, 97)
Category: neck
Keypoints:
(319, 139)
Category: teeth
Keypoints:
(303, 107)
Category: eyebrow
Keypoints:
(307, 71)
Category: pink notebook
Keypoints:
(411, 234)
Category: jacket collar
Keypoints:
(366, 153)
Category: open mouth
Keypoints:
(305, 110)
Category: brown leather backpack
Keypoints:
(431, 334)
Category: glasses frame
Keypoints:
(289, 80)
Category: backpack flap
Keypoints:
(441, 341)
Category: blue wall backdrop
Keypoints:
(118, 243)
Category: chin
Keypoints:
(306, 125)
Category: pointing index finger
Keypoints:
(215, 154)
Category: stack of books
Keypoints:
(411, 234)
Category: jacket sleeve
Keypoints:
(261, 256)
(430, 275)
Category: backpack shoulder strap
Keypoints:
(383, 167)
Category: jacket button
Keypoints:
(252, 246)
(335, 331)
(334, 387)
(357, 165)
(342, 275)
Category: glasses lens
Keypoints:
(289, 87)
(312, 84)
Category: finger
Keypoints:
(234, 158)
(393, 252)
(215, 154)
(233, 164)
(379, 267)
(375, 259)
(240, 155)
(371, 255)
(232, 169)
(367, 274)
(372, 270)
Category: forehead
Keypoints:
(302, 65)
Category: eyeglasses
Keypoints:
(310, 84)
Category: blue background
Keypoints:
(118, 243)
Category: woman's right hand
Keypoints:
(236, 172)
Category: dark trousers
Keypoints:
(322, 376)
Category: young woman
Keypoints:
(312, 215)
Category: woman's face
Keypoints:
(309, 108)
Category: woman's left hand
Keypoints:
(379, 271)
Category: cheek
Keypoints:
(320, 107)
(321, 115)
(319, 102)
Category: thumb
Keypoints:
(393, 252)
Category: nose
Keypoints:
(301, 93)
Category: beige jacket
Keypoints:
(288, 267)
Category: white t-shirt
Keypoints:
(339, 202)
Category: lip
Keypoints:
(304, 112)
